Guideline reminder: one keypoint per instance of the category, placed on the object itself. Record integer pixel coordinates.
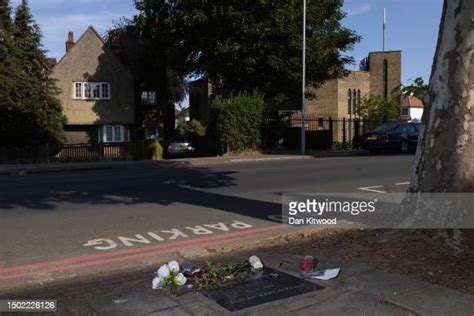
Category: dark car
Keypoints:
(401, 136)
(179, 148)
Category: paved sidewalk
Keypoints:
(84, 166)
(200, 161)
(358, 290)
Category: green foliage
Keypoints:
(171, 282)
(30, 112)
(340, 146)
(216, 274)
(148, 150)
(238, 120)
(247, 45)
(241, 45)
(190, 129)
(417, 89)
(377, 109)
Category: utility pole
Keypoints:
(303, 109)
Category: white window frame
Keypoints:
(76, 90)
(94, 86)
(114, 134)
(147, 96)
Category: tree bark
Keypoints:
(445, 157)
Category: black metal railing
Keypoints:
(321, 133)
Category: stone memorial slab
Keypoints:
(266, 286)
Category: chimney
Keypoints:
(70, 41)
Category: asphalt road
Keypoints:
(54, 216)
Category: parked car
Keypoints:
(179, 148)
(400, 136)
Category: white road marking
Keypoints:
(172, 234)
(402, 183)
(372, 189)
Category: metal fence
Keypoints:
(321, 133)
(68, 153)
(275, 132)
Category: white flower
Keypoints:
(255, 262)
(181, 279)
(157, 283)
(173, 265)
(163, 271)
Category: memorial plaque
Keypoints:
(266, 286)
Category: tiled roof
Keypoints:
(411, 101)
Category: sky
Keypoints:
(412, 26)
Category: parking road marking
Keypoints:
(75, 262)
(211, 243)
(403, 183)
(372, 189)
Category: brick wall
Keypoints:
(376, 64)
(324, 102)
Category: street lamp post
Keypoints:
(303, 110)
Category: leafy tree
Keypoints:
(7, 52)
(417, 89)
(239, 119)
(152, 45)
(10, 80)
(243, 45)
(376, 109)
(5, 15)
(31, 113)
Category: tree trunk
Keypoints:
(444, 160)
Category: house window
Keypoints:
(385, 79)
(92, 90)
(349, 102)
(95, 91)
(151, 133)
(78, 90)
(113, 134)
(87, 90)
(105, 90)
(405, 111)
(149, 97)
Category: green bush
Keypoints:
(340, 146)
(190, 129)
(375, 109)
(149, 150)
(238, 120)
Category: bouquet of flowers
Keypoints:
(171, 275)
(168, 276)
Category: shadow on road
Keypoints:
(158, 184)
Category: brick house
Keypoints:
(97, 91)
(412, 108)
